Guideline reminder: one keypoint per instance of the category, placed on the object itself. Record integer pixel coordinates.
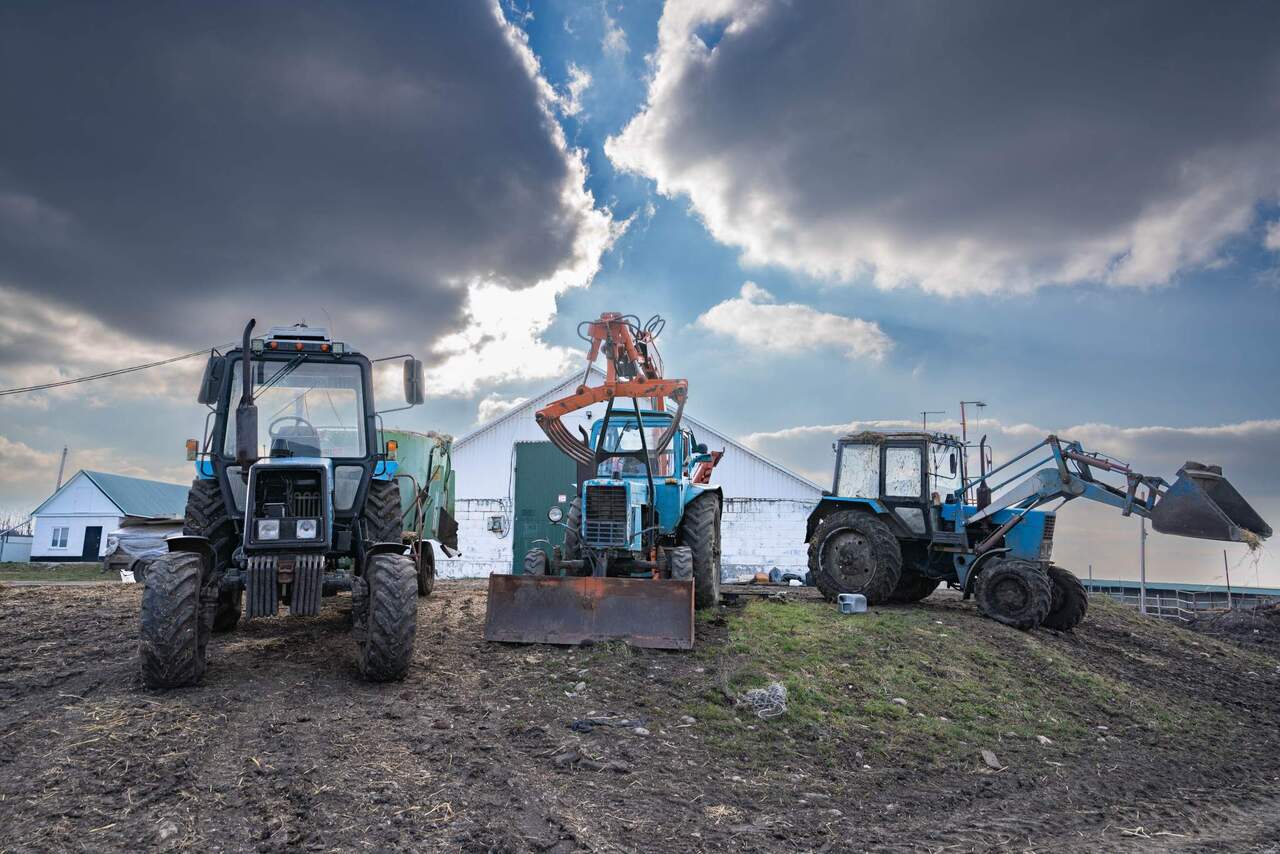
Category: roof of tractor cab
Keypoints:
(876, 437)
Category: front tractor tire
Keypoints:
(175, 623)
(1069, 602)
(385, 617)
(700, 532)
(206, 516)
(383, 521)
(535, 562)
(1017, 593)
(853, 551)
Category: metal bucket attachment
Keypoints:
(652, 613)
(1203, 504)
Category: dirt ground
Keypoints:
(1160, 738)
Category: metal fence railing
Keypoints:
(1183, 605)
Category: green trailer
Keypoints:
(425, 472)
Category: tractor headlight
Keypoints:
(268, 529)
(307, 529)
(555, 514)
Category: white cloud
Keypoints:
(28, 475)
(755, 319)
(570, 99)
(1272, 238)
(614, 43)
(494, 405)
(864, 139)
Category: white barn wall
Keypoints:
(764, 515)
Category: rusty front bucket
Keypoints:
(1203, 504)
(653, 613)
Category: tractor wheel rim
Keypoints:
(1011, 595)
(851, 558)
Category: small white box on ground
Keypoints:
(852, 603)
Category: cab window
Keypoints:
(903, 470)
(859, 475)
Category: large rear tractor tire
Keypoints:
(426, 567)
(1017, 593)
(853, 551)
(912, 587)
(1069, 603)
(383, 522)
(700, 531)
(385, 617)
(207, 517)
(175, 626)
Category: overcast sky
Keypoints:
(848, 211)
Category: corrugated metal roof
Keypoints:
(138, 497)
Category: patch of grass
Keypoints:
(54, 572)
(915, 682)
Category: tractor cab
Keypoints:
(908, 476)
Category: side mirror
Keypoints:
(415, 383)
(211, 383)
(953, 462)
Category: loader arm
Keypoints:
(1201, 503)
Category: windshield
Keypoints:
(624, 435)
(305, 409)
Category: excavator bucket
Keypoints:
(1203, 504)
(652, 613)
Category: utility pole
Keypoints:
(924, 417)
(62, 464)
(1142, 566)
(964, 426)
(1226, 569)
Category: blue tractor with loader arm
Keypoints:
(302, 504)
(904, 516)
(641, 543)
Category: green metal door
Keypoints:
(544, 477)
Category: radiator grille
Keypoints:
(605, 522)
(306, 504)
(1046, 542)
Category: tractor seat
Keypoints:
(296, 441)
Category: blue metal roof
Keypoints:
(150, 499)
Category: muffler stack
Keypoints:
(1203, 504)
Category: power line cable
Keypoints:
(105, 374)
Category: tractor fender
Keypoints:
(383, 549)
(831, 503)
(694, 490)
(974, 569)
(195, 544)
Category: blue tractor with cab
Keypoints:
(301, 503)
(904, 516)
(641, 543)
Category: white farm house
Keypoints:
(508, 475)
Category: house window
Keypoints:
(58, 540)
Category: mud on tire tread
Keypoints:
(681, 562)
(383, 522)
(425, 567)
(884, 548)
(171, 645)
(1069, 601)
(573, 523)
(1033, 581)
(384, 645)
(535, 562)
(700, 531)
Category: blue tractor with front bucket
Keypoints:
(302, 504)
(641, 543)
(904, 516)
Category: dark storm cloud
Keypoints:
(967, 146)
(171, 168)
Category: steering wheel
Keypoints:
(296, 419)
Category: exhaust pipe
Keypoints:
(246, 411)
